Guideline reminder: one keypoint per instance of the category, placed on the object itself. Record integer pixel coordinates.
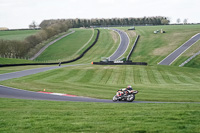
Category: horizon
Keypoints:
(18, 14)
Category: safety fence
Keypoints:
(119, 63)
(134, 45)
(189, 59)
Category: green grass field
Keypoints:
(107, 44)
(14, 61)
(154, 82)
(16, 35)
(195, 63)
(50, 116)
(152, 48)
(66, 48)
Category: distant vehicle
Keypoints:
(132, 28)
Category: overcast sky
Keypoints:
(20, 13)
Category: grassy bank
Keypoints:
(195, 63)
(14, 61)
(65, 48)
(50, 116)
(16, 34)
(152, 48)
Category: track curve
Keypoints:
(122, 47)
(8, 92)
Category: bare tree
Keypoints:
(178, 20)
(33, 25)
(185, 21)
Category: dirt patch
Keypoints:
(131, 33)
(192, 50)
(163, 50)
(115, 36)
(172, 43)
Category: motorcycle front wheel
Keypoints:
(115, 98)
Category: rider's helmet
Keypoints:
(129, 86)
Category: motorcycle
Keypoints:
(128, 96)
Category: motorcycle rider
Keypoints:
(123, 91)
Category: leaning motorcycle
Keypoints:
(128, 96)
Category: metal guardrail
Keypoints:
(189, 59)
(129, 55)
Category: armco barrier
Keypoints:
(119, 63)
(129, 55)
(64, 62)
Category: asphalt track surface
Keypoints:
(174, 55)
(19, 74)
(124, 43)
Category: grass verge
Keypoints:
(66, 47)
(50, 116)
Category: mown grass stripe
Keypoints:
(106, 76)
(72, 76)
(164, 76)
(129, 75)
(60, 76)
(137, 76)
(151, 75)
(122, 77)
(173, 77)
(87, 76)
(145, 79)
(194, 77)
(188, 79)
(113, 76)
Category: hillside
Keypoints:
(67, 48)
(152, 48)
(164, 83)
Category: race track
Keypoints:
(122, 46)
(18, 74)
(8, 92)
(174, 55)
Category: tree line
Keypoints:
(76, 23)
(19, 49)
